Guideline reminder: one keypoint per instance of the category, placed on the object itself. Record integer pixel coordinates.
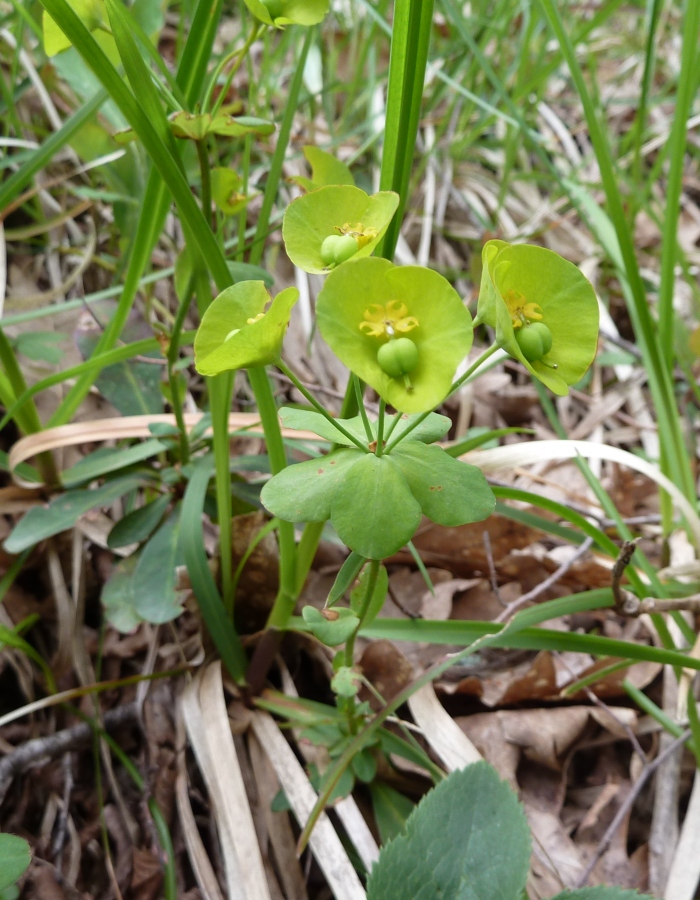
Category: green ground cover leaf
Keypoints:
(139, 524)
(15, 856)
(467, 839)
(156, 599)
(61, 513)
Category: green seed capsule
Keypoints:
(398, 357)
(274, 7)
(534, 340)
(345, 247)
(328, 248)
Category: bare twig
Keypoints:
(628, 604)
(513, 607)
(492, 566)
(627, 804)
(53, 745)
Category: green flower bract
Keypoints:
(442, 331)
(236, 332)
(537, 284)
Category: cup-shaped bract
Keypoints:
(367, 302)
(91, 13)
(335, 210)
(236, 331)
(288, 12)
(522, 284)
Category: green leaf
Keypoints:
(242, 271)
(309, 420)
(15, 856)
(364, 766)
(197, 126)
(601, 893)
(288, 12)
(119, 596)
(333, 210)
(139, 524)
(156, 599)
(41, 346)
(345, 577)
(467, 839)
(381, 589)
(373, 510)
(391, 809)
(450, 492)
(63, 512)
(330, 631)
(304, 492)
(431, 428)
(346, 682)
(106, 460)
(325, 169)
(236, 332)
(522, 284)
(413, 300)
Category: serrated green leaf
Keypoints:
(330, 631)
(450, 492)
(310, 219)
(63, 512)
(373, 510)
(15, 856)
(304, 492)
(440, 326)
(236, 332)
(537, 284)
(139, 524)
(467, 839)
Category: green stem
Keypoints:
(173, 353)
(380, 428)
(285, 131)
(30, 417)
(243, 214)
(374, 566)
(205, 172)
(357, 385)
(455, 386)
(317, 406)
(241, 54)
(267, 409)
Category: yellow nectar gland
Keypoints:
(521, 311)
(386, 321)
(362, 234)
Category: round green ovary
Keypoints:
(534, 340)
(337, 249)
(274, 7)
(398, 357)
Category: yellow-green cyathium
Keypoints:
(288, 12)
(401, 329)
(335, 223)
(543, 309)
(239, 329)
